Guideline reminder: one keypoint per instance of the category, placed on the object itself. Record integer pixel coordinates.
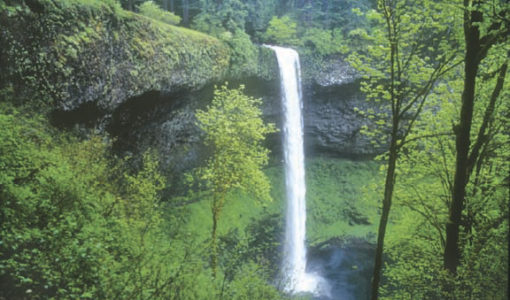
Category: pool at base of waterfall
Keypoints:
(311, 283)
(346, 271)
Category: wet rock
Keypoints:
(166, 122)
(335, 71)
(332, 124)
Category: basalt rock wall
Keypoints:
(96, 66)
(166, 121)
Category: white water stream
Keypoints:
(294, 262)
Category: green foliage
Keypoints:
(282, 31)
(250, 283)
(214, 18)
(79, 31)
(226, 22)
(260, 13)
(399, 76)
(235, 131)
(340, 198)
(315, 30)
(243, 54)
(153, 11)
(423, 194)
(325, 42)
(75, 223)
(417, 239)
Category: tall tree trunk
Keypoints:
(388, 194)
(392, 161)
(172, 6)
(462, 142)
(185, 12)
(327, 14)
(308, 6)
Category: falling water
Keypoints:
(294, 262)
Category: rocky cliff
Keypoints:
(97, 66)
(166, 121)
(71, 53)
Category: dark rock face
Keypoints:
(332, 126)
(331, 92)
(334, 71)
(166, 122)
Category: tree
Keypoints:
(185, 12)
(486, 23)
(282, 31)
(401, 66)
(75, 223)
(234, 131)
(260, 13)
(152, 10)
(423, 196)
(214, 17)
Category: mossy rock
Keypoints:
(67, 53)
(267, 64)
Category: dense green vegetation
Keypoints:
(80, 221)
(319, 30)
(437, 126)
(234, 132)
(334, 210)
(75, 222)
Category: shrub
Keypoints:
(282, 31)
(153, 11)
(325, 42)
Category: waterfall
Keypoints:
(294, 261)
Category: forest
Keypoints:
(147, 149)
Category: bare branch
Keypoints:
(427, 136)
(482, 137)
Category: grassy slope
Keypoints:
(339, 196)
(335, 188)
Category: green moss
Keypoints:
(341, 202)
(267, 65)
(337, 189)
(83, 51)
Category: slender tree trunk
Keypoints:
(185, 12)
(388, 194)
(172, 6)
(482, 138)
(308, 6)
(216, 208)
(472, 37)
(392, 161)
(214, 245)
